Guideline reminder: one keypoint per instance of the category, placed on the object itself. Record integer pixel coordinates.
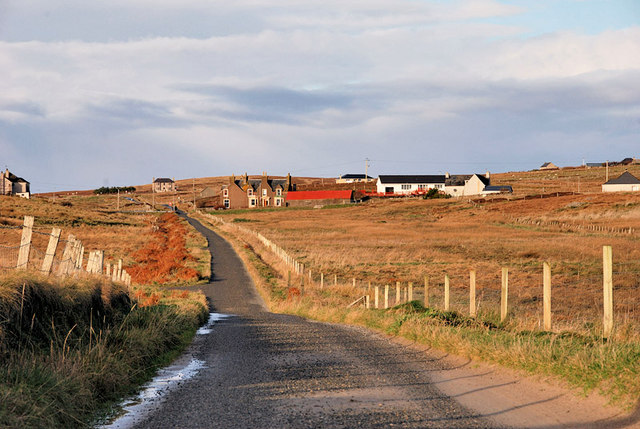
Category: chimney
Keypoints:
(447, 175)
(487, 175)
(246, 177)
(288, 181)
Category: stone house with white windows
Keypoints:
(245, 193)
(10, 184)
(163, 184)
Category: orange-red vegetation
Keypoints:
(164, 258)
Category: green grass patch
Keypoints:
(71, 348)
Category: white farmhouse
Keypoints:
(405, 185)
(626, 182)
(459, 185)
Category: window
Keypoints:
(279, 192)
(227, 204)
(439, 185)
(278, 202)
(225, 193)
(252, 202)
(250, 192)
(264, 192)
(422, 186)
(406, 187)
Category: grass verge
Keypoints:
(70, 348)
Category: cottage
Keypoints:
(354, 178)
(252, 193)
(466, 184)
(164, 184)
(10, 184)
(319, 198)
(548, 166)
(626, 182)
(406, 185)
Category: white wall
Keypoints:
(620, 188)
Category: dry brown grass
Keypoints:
(407, 239)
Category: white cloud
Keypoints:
(308, 78)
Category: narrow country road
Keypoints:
(265, 370)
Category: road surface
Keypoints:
(264, 370)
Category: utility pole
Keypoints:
(153, 195)
(607, 177)
(366, 169)
(118, 198)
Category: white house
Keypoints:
(405, 184)
(466, 184)
(626, 182)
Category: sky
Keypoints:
(114, 93)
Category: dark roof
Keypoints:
(460, 179)
(625, 178)
(546, 164)
(595, 164)
(15, 179)
(412, 179)
(319, 195)
(499, 188)
(355, 176)
(163, 180)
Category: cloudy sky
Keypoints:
(96, 93)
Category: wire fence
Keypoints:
(579, 303)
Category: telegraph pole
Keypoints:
(118, 198)
(366, 169)
(194, 193)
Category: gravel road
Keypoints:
(264, 370)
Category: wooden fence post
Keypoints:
(366, 300)
(426, 291)
(410, 291)
(504, 295)
(375, 297)
(546, 295)
(119, 276)
(54, 239)
(321, 280)
(99, 263)
(25, 243)
(354, 282)
(446, 292)
(65, 265)
(397, 293)
(386, 296)
(607, 275)
(472, 293)
(335, 279)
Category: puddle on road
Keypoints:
(134, 409)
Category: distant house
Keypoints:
(10, 184)
(626, 182)
(548, 166)
(595, 164)
(472, 184)
(406, 185)
(251, 193)
(354, 178)
(466, 184)
(163, 184)
(208, 193)
(316, 198)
